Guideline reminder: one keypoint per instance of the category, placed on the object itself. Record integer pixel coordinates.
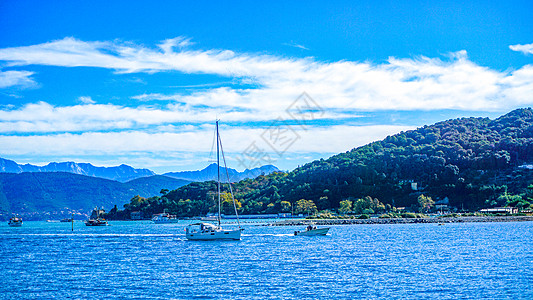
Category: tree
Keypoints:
(285, 206)
(425, 203)
(271, 208)
(529, 193)
(345, 206)
(306, 206)
(323, 203)
(227, 204)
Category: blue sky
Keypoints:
(141, 83)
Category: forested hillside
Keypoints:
(474, 162)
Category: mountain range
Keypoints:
(124, 173)
(40, 195)
(120, 173)
(210, 173)
(58, 189)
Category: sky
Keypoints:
(142, 83)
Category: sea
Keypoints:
(142, 260)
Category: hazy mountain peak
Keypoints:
(210, 173)
(120, 173)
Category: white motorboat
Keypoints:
(208, 231)
(164, 218)
(312, 231)
(15, 222)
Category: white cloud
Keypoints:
(292, 44)
(400, 84)
(86, 100)
(16, 78)
(180, 42)
(526, 49)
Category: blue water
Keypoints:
(141, 260)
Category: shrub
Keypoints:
(409, 215)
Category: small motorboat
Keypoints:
(96, 222)
(15, 222)
(165, 218)
(312, 230)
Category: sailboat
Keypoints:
(208, 231)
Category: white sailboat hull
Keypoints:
(216, 235)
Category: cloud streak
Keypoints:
(16, 78)
(526, 49)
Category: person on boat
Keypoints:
(310, 227)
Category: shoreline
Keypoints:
(469, 219)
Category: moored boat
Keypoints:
(15, 222)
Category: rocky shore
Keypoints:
(322, 222)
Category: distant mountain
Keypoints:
(40, 194)
(120, 173)
(210, 173)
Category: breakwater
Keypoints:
(442, 220)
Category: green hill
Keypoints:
(473, 162)
(35, 195)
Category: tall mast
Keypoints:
(218, 172)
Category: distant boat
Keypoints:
(209, 218)
(164, 218)
(66, 220)
(208, 231)
(312, 231)
(96, 221)
(15, 222)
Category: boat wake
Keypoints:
(103, 234)
(270, 234)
